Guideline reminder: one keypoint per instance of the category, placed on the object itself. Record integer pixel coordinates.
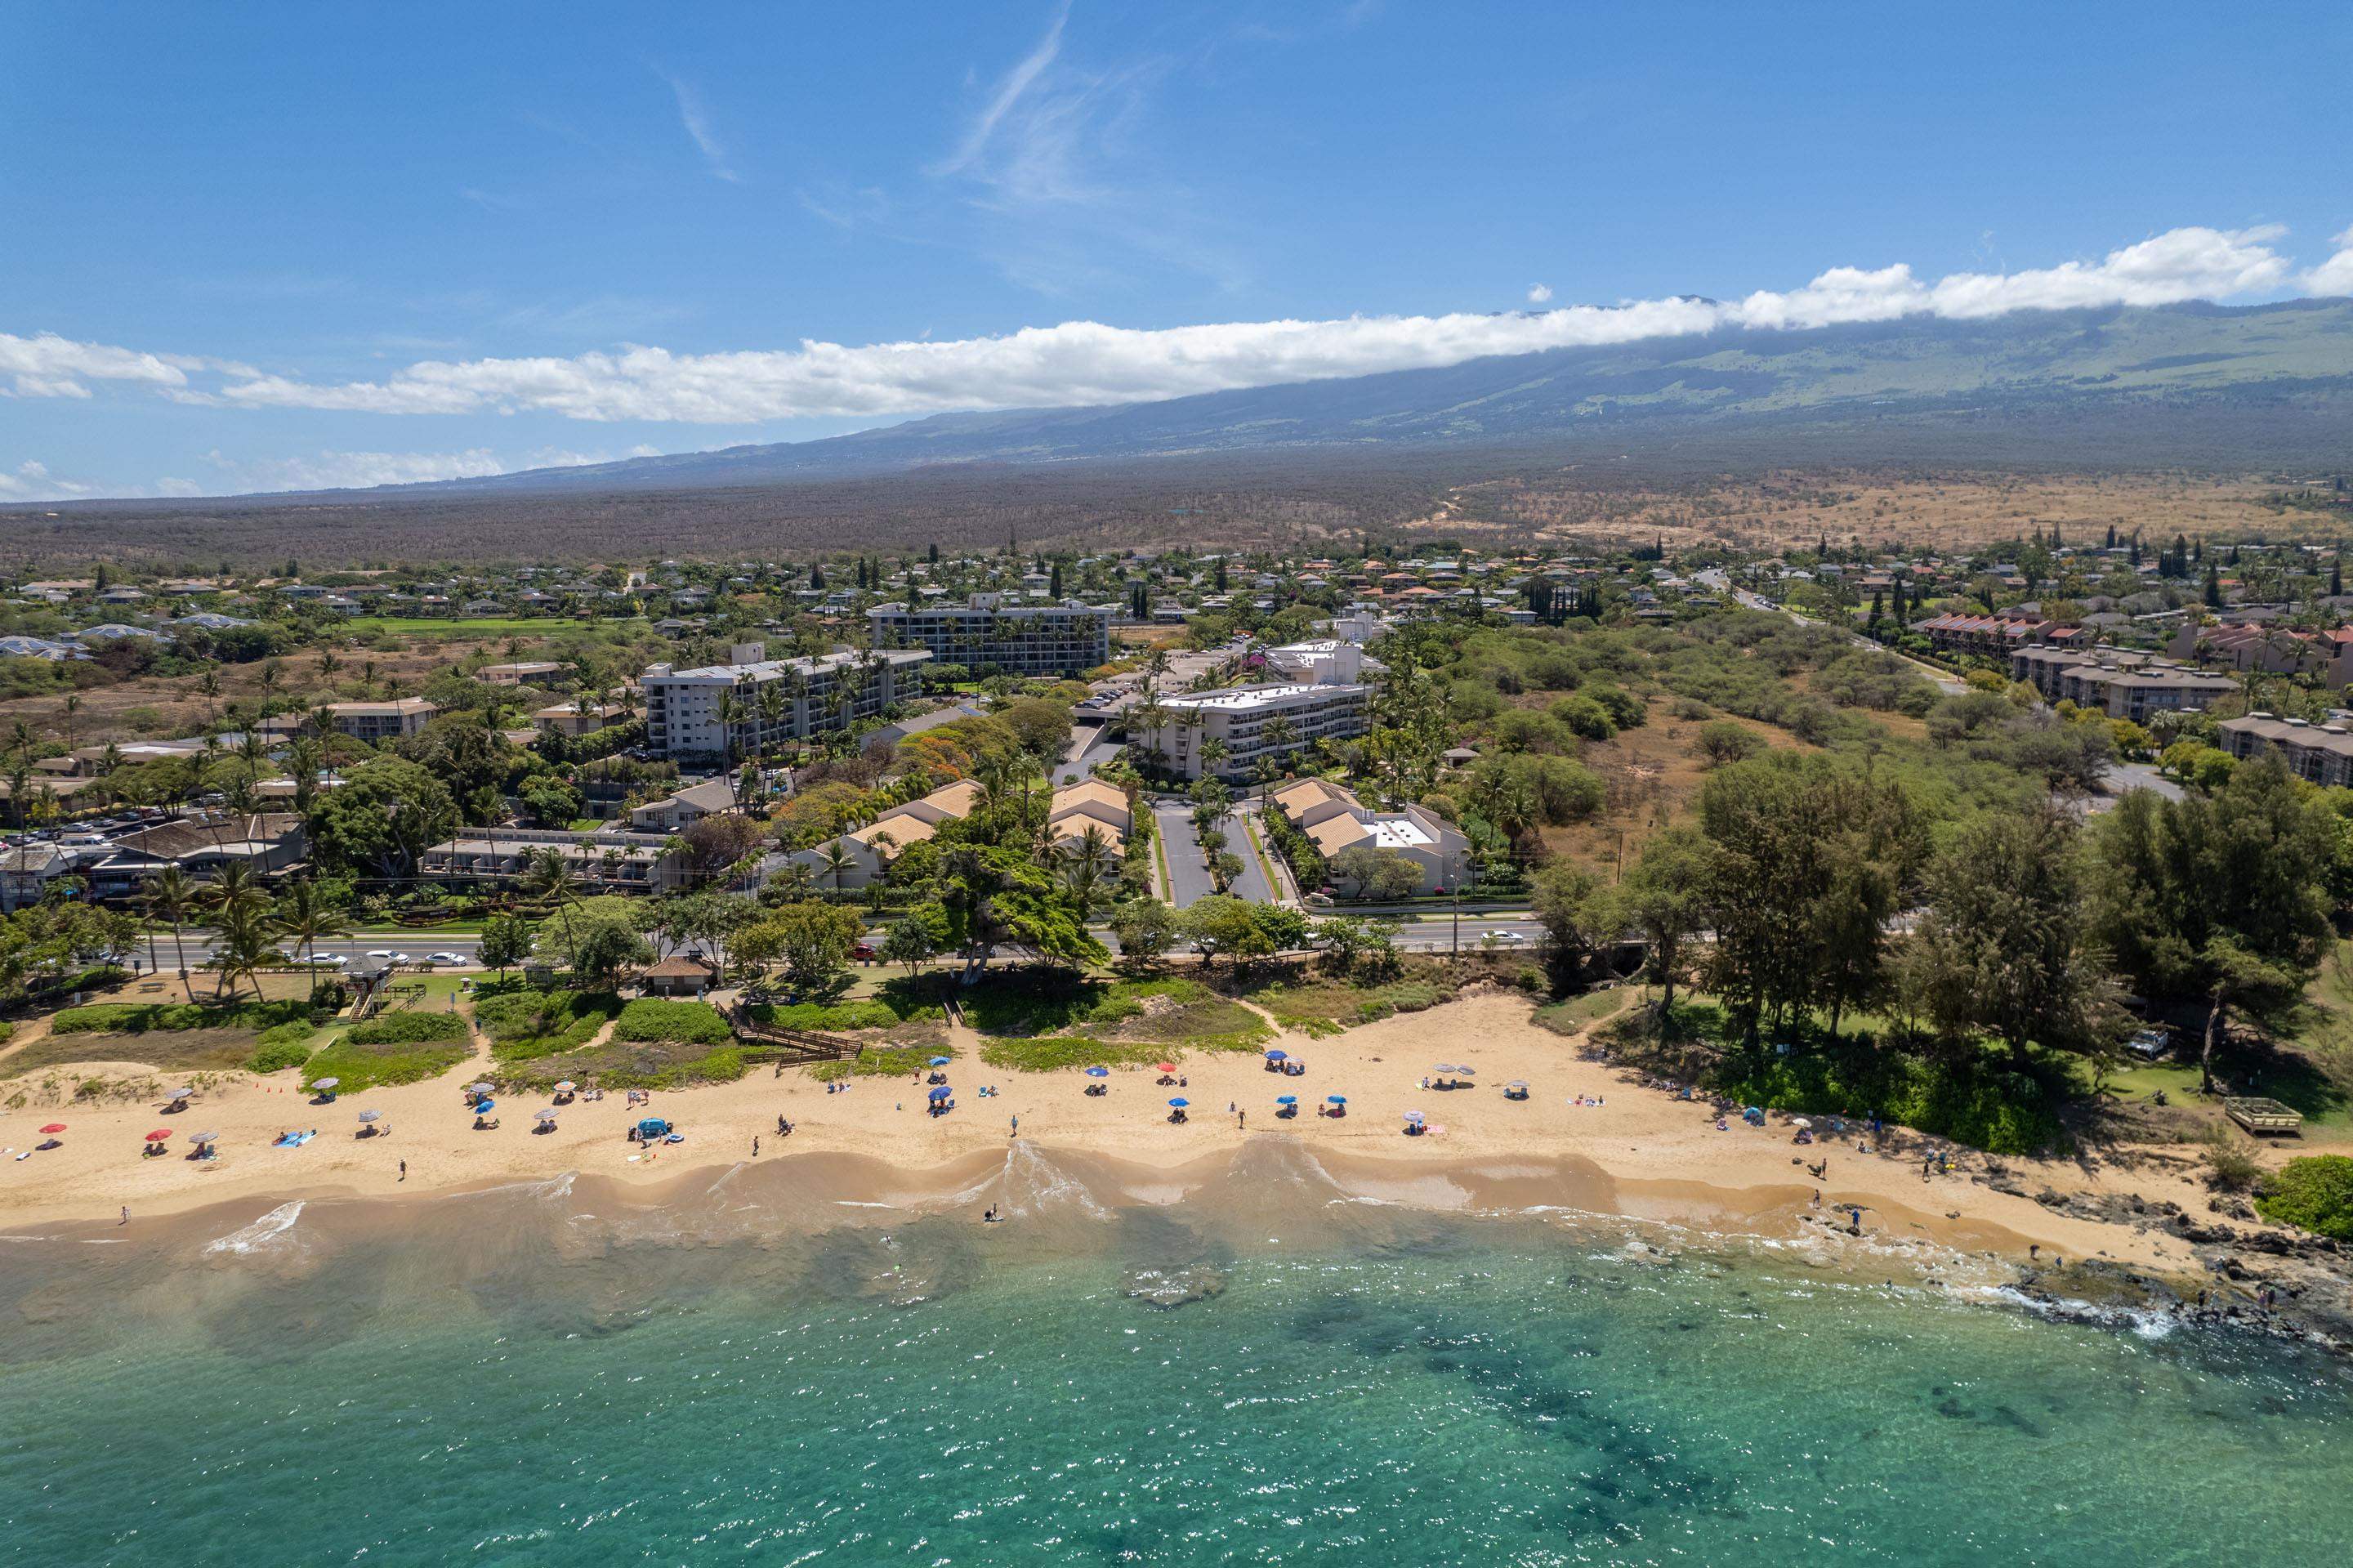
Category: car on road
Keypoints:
(1502, 936)
(388, 956)
(320, 961)
(863, 952)
(448, 958)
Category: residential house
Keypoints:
(674, 812)
(1335, 821)
(378, 722)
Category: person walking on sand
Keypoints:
(126, 1215)
(1016, 1131)
(403, 1170)
(755, 1145)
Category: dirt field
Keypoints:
(1799, 508)
(1653, 773)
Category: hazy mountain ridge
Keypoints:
(1917, 364)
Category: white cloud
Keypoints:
(48, 366)
(2334, 276)
(34, 481)
(697, 122)
(1087, 363)
(362, 471)
(1539, 292)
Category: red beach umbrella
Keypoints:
(54, 1126)
(159, 1135)
(1167, 1066)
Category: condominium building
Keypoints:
(1238, 720)
(606, 861)
(1335, 821)
(1017, 640)
(2322, 753)
(772, 702)
(2121, 685)
(374, 722)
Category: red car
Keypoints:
(863, 952)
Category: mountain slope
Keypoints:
(2060, 361)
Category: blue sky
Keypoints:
(263, 246)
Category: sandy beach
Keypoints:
(1640, 1152)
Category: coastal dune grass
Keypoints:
(1043, 1022)
(393, 1049)
(524, 1025)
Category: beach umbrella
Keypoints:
(485, 1105)
(1165, 1067)
(1801, 1121)
(1097, 1071)
(544, 1116)
(180, 1094)
(54, 1126)
(371, 1116)
(1278, 1056)
(1336, 1099)
(1286, 1100)
(939, 1060)
(204, 1138)
(478, 1089)
(326, 1083)
(1465, 1071)
(941, 1092)
(1180, 1102)
(1414, 1117)
(564, 1088)
(1517, 1084)
(159, 1135)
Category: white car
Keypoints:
(1504, 936)
(324, 961)
(448, 958)
(388, 956)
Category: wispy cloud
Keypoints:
(1009, 91)
(1081, 362)
(362, 471)
(697, 122)
(33, 481)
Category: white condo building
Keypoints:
(682, 706)
(1239, 718)
(1020, 640)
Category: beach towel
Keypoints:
(294, 1139)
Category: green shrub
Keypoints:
(363, 1064)
(840, 1017)
(651, 1020)
(2313, 1193)
(409, 1029)
(525, 1025)
(139, 1017)
(1975, 1101)
(882, 1062)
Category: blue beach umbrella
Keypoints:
(481, 1106)
(939, 1060)
(1097, 1071)
(1336, 1099)
(941, 1093)
(1278, 1056)
(1286, 1100)
(1180, 1102)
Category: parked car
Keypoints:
(388, 956)
(2151, 1044)
(863, 952)
(320, 960)
(448, 958)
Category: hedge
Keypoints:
(651, 1020)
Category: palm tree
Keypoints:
(303, 916)
(547, 875)
(838, 861)
(72, 707)
(169, 896)
(769, 701)
(244, 943)
(1086, 862)
(1213, 751)
(208, 687)
(252, 753)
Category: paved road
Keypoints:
(1090, 744)
(1252, 882)
(1188, 878)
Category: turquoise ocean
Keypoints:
(756, 1369)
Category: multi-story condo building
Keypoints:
(1239, 718)
(1019, 640)
(2322, 753)
(606, 861)
(2125, 686)
(1334, 820)
(374, 722)
(772, 702)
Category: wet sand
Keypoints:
(1641, 1154)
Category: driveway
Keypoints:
(1188, 879)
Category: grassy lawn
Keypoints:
(1160, 859)
(393, 1048)
(1574, 1015)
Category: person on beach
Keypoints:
(755, 1145)
(126, 1215)
(1015, 1130)
(780, 1127)
(403, 1170)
